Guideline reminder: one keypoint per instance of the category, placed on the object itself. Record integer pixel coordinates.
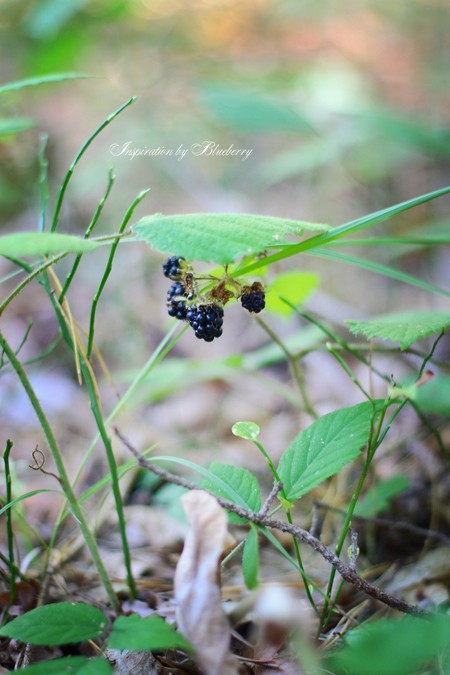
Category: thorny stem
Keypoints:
(302, 535)
(63, 477)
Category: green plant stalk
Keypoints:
(9, 528)
(160, 352)
(287, 510)
(85, 146)
(296, 370)
(108, 269)
(92, 224)
(63, 477)
(348, 370)
(43, 180)
(372, 447)
(114, 477)
(28, 279)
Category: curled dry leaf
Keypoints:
(200, 614)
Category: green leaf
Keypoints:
(150, 633)
(248, 430)
(217, 237)
(44, 79)
(27, 244)
(57, 624)
(9, 127)
(251, 111)
(378, 497)
(250, 559)
(404, 646)
(322, 449)
(294, 286)
(404, 328)
(70, 665)
(234, 479)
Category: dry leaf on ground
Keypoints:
(200, 614)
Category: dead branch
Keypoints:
(261, 519)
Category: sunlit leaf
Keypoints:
(248, 430)
(294, 286)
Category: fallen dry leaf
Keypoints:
(200, 614)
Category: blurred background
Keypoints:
(343, 109)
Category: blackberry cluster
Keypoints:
(253, 298)
(172, 268)
(206, 320)
(176, 304)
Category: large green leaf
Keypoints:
(251, 111)
(218, 237)
(28, 244)
(57, 624)
(234, 479)
(322, 449)
(393, 647)
(404, 328)
(149, 633)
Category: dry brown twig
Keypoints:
(350, 575)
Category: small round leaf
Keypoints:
(248, 430)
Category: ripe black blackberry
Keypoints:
(176, 304)
(206, 320)
(179, 289)
(253, 298)
(173, 267)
